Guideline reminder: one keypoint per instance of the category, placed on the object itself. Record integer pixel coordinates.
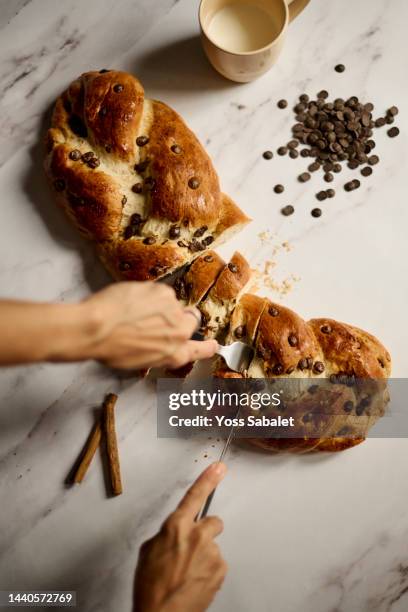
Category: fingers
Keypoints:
(193, 311)
(195, 497)
(211, 526)
(192, 350)
(189, 322)
(202, 349)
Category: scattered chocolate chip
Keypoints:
(137, 188)
(149, 240)
(337, 168)
(303, 364)
(393, 132)
(326, 329)
(292, 144)
(124, 266)
(200, 231)
(282, 150)
(141, 141)
(287, 210)
(293, 340)
(182, 244)
(267, 155)
(118, 88)
(156, 271)
(233, 267)
(195, 246)
(373, 159)
(149, 183)
(103, 70)
(279, 189)
(240, 331)
(340, 68)
(208, 240)
(321, 196)
(314, 166)
(330, 193)
(380, 122)
(273, 312)
(293, 154)
(86, 157)
(75, 155)
(174, 231)
(194, 183)
(282, 104)
(318, 367)
(316, 212)
(59, 185)
(348, 406)
(176, 149)
(366, 171)
(304, 177)
(393, 111)
(278, 369)
(131, 231)
(93, 163)
(328, 177)
(304, 98)
(141, 166)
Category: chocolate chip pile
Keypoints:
(332, 132)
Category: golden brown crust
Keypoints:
(351, 350)
(244, 321)
(236, 275)
(284, 340)
(126, 168)
(288, 347)
(202, 275)
(134, 260)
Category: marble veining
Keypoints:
(312, 533)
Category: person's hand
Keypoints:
(181, 568)
(143, 325)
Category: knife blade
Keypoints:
(204, 511)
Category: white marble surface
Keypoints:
(315, 533)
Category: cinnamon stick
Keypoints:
(111, 443)
(89, 452)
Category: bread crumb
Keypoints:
(265, 275)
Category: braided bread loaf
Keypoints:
(134, 179)
(288, 347)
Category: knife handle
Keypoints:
(204, 511)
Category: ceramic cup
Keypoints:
(246, 66)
